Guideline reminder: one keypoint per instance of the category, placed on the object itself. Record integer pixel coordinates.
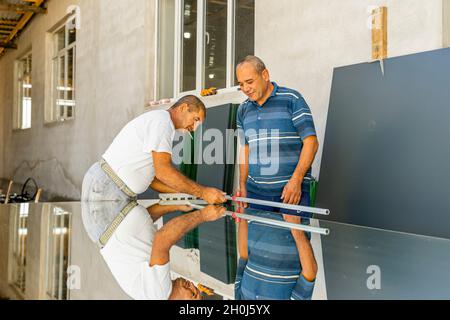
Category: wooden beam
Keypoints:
(2, 26)
(8, 45)
(8, 22)
(6, 6)
(21, 24)
(379, 33)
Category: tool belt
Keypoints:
(115, 178)
(116, 222)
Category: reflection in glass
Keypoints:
(19, 233)
(189, 48)
(275, 263)
(137, 252)
(215, 73)
(58, 254)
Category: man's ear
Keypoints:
(266, 75)
(184, 107)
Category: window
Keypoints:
(19, 232)
(200, 42)
(22, 110)
(63, 74)
(58, 254)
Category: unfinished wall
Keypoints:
(303, 40)
(114, 80)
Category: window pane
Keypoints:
(166, 49)
(25, 84)
(245, 29)
(61, 79)
(216, 44)
(72, 32)
(60, 40)
(189, 55)
(70, 75)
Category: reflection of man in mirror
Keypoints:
(137, 253)
(274, 263)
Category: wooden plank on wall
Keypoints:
(446, 23)
(379, 33)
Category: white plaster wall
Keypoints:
(115, 61)
(301, 41)
(446, 22)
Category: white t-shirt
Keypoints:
(130, 154)
(127, 255)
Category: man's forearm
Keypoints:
(243, 240)
(177, 181)
(306, 253)
(157, 211)
(309, 151)
(170, 234)
(161, 187)
(243, 166)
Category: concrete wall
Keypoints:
(115, 61)
(303, 40)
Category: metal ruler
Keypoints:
(183, 199)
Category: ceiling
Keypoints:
(14, 17)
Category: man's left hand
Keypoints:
(292, 192)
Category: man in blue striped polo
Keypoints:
(280, 119)
(276, 121)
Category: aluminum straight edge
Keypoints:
(282, 224)
(325, 212)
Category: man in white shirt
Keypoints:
(141, 156)
(137, 254)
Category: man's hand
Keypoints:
(292, 192)
(213, 195)
(212, 213)
(242, 193)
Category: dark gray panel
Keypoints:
(411, 267)
(386, 160)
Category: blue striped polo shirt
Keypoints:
(275, 132)
(273, 270)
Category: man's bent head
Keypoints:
(188, 113)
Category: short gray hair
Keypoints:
(194, 104)
(256, 62)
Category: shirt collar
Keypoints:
(273, 94)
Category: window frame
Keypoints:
(53, 114)
(200, 57)
(19, 112)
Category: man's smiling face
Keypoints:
(253, 84)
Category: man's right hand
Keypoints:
(213, 196)
(212, 213)
(242, 193)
